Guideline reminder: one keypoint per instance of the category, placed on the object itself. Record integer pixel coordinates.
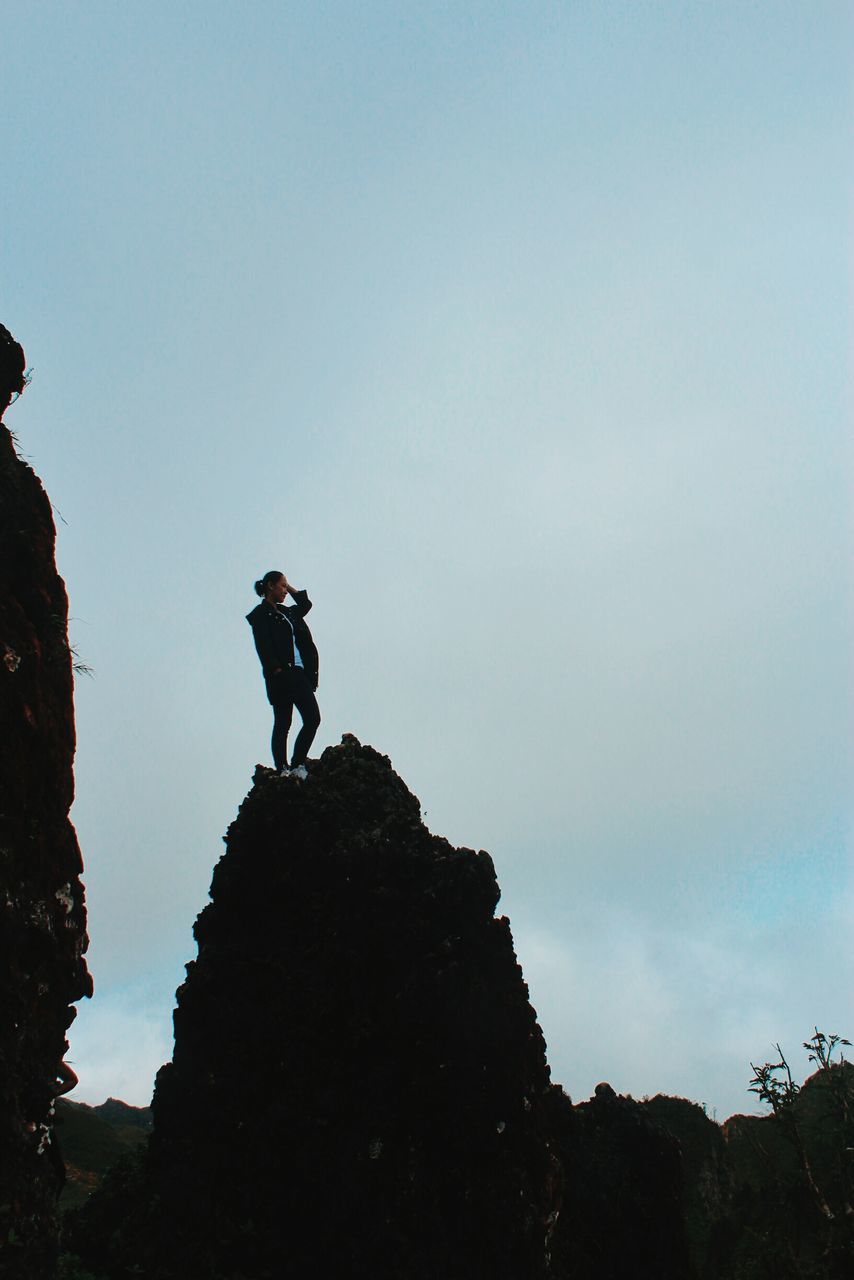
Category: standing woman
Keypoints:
(290, 665)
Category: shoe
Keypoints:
(300, 772)
(285, 773)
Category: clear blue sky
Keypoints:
(520, 335)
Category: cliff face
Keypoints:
(623, 1212)
(359, 1085)
(792, 1180)
(358, 1077)
(42, 914)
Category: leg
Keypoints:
(282, 713)
(306, 705)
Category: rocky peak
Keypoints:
(359, 1085)
(357, 1069)
(42, 913)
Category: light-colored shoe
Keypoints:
(300, 772)
(285, 773)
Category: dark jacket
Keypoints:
(274, 628)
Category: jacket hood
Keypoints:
(256, 612)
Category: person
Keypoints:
(290, 664)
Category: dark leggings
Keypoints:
(293, 690)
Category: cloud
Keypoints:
(118, 1041)
(654, 1006)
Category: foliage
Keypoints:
(773, 1082)
(821, 1049)
(816, 1122)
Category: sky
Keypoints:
(520, 336)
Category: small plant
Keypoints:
(61, 646)
(777, 1090)
(773, 1083)
(820, 1049)
(836, 1078)
(79, 667)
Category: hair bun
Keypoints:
(259, 587)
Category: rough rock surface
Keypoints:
(769, 1196)
(359, 1085)
(622, 1210)
(792, 1176)
(42, 915)
(706, 1183)
(358, 1078)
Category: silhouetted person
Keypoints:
(290, 665)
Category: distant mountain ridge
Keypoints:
(93, 1139)
(121, 1114)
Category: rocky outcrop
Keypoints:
(622, 1213)
(705, 1182)
(359, 1085)
(42, 914)
(792, 1177)
(769, 1195)
(358, 1078)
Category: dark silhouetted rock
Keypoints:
(42, 914)
(622, 1213)
(359, 1086)
(706, 1191)
(770, 1196)
(792, 1179)
(358, 1081)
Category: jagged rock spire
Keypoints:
(358, 1079)
(42, 913)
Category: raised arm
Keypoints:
(301, 600)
